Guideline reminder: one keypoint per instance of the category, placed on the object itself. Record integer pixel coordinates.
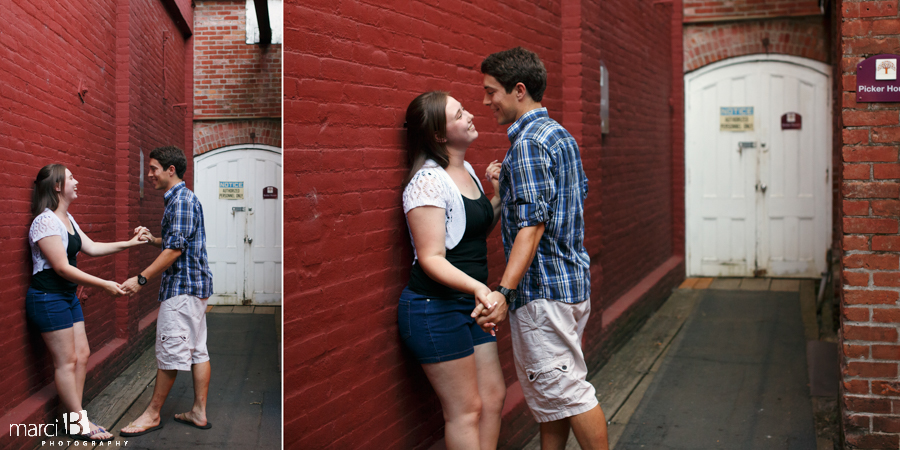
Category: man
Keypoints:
(185, 286)
(547, 278)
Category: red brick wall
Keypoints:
(636, 156)
(217, 134)
(353, 71)
(119, 60)
(718, 10)
(246, 83)
(707, 43)
(871, 260)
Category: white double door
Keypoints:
(758, 203)
(243, 236)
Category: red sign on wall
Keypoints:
(791, 121)
(270, 192)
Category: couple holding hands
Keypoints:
(53, 307)
(539, 192)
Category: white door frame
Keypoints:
(816, 66)
(267, 299)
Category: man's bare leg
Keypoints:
(201, 374)
(590, 429)
(150, 418)
(555, 434)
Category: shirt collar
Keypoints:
(513, 131)
(172, 191)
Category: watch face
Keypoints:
(141, 280)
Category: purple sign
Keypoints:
(791, 121)
(876, 79)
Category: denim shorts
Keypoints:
(52, 311)
(439, 329)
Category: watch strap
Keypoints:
(510, 294)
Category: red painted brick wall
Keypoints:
(706, 43)
(718, 10)
(216, 134)
(233, 79)
(237, 91)
(349, 78)
(636, 156)
(118, 59)
(871, 242)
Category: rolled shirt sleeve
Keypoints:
(182, 226)
(531, 183)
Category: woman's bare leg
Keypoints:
(492, 390)
(456, 384)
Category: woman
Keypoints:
(51, 303)
(449, 220)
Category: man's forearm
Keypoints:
(523, 250)
(162, 262)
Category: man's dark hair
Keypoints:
(170, 155)
(517, 65)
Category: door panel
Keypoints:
(225, 227)
(265, 232)
(244, 237)
(721, 211)
(765, 206)
(794, 165)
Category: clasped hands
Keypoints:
(142, 235)
(490, 310)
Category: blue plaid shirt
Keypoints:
(182, 229)
(542, 181)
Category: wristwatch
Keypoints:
(510, 294)
(141, 280)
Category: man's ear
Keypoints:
(521, 91)
(171, 170)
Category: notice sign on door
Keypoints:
(736, 118)
(231, 190)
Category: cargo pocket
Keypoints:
(173, 344)
(551, 380)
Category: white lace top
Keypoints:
(432, 186)
(47, 224)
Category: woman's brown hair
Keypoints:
(45, 194)
(426, 131)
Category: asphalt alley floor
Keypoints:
(721, 365)
(244, 400)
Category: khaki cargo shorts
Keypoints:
(546, 338)
(181, 333)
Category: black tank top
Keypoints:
(469, 255)
(48, 280)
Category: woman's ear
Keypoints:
(440, 139)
